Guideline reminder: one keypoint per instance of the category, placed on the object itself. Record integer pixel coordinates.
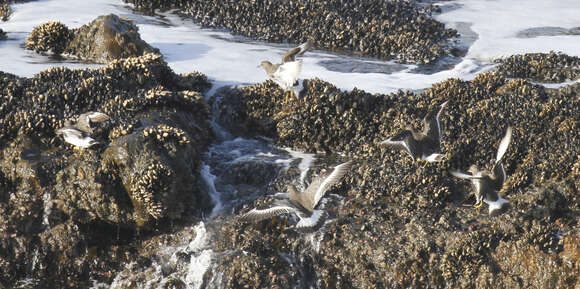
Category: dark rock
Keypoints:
(385, 29)
(406, 220)
(104, 39)
(2, 34)
(76, 213)
(53, 37)
(542, 67)
(4, 11)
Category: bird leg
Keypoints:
(478, 205)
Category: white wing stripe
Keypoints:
(257, 215)
(504, 144)
(336, 174)
(311, 221)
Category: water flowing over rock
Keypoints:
(68, 216)
(383, 29)
(106, 38)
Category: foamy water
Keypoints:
(187, 47)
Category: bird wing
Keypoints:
(401, 141)
(321, 184)
(499, 175)
(85, 119)
(71, 132)
(257, 215)
(432, 125)
(504, 144)
(296, 51)
(95, 116)
(287, 74)
(464, 176)
(313, 220)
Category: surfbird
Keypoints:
(421, 145)
(84, 120)
(76, 137)
(487, 184)
(302, 203)
(78, 134)
(285, 74)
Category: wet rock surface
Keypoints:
(67, 216)
(106, 38)
(405, 224)
(384, 29)
(4, 10)
(2, 34)
(542, 67)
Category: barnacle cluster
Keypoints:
(383, 29)
(163, 133)
(51, 36)
(106, 38)
(542, 67)
(419, 210)
(121, 130)
(152, 181)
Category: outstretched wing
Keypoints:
(499, 175)
(287, 74)
(321, 184)
(296, 51)
(432, 125)
(464, 176)
(256, 215)
(504, 144)
(401, 141)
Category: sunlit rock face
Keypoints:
(106, 38)
(382, 29)
(142, 174)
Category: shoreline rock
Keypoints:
(106, 38)
(404, 224)
(142, 176)
(395, 29)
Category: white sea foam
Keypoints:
(498, 22)
(187, 47)
(209, 180)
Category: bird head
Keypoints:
(265, 64)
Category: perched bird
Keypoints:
(286, 73)
(78, 134)
(301, 203)
(424, 145)
(487, 184)
(84, 120)
(76, 137)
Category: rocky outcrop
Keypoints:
(405, 224)
(65, 210)
(52, 37)
(552, 67)
(384, 29)
(106, 38)
(4, 10)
